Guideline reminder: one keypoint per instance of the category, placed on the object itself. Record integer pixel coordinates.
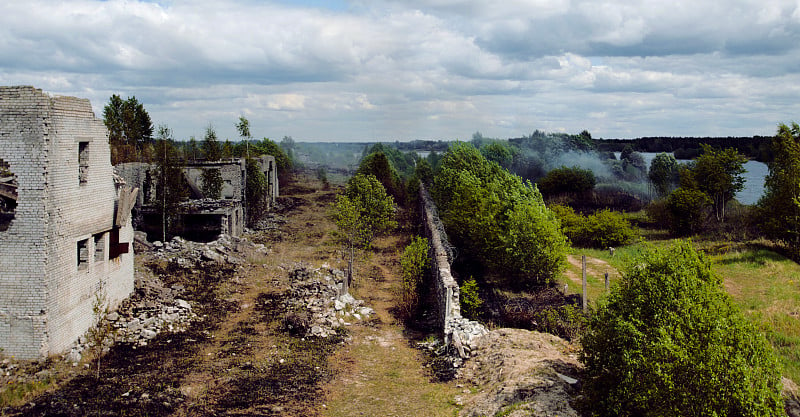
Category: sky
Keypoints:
(356, 70)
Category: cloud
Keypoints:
(419, 68)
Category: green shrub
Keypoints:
(567, 321)
(470, 299)
(497, 218)
(600, 230)
(414, 262)
(574, 180)
(687, 211)
(669, 342)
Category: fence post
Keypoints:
(583, 267)
(606, 280)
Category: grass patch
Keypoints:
(15, 394)
(383, 383)
(766, 286)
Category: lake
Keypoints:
(753, 178)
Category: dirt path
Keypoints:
(378, 373)
(595, 270)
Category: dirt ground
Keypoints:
(239, 360)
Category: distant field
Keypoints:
(764, 284)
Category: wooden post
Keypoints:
(606, 280)
(583, 266)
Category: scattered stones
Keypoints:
(316, 307)
(225, 250)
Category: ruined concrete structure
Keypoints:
(202, 219)
(67, 222)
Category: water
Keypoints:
(753, 178)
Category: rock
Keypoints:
(183, 304)
(112, 316)
(73, 356)
(339, 305)
(148, 334)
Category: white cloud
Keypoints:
(420, 68)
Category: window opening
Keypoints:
(83, 254)
(8, 195)
(115, 248)
(83, 162)
(99, 247)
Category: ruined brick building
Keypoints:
(65, 229)
(201, 219)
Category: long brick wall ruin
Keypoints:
(68, 239)
(458, 331)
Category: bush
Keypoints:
(414, 262)
(567, 321)
(687, 209)
(497, 218)
(668, 342)
(470, 299)
(566, 180)
(600, 230)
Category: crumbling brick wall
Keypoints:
(63, 247)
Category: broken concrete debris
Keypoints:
(316, 305)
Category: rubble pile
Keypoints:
(315, 303)
(155, 307)
(464, 337)
(225, 250)
(152, 308)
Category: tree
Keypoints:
(255, 191)
(362, 212)
(212, 151)
(669, 342)
(227, 149)
(780, 205)
(378, 165)
(687, 210)
(282, 161)
(212, 183)
(243, 127)
(192, 150)
(414, 263)
(718, 173)
(171, 188)
(288, 145)
(663, 173)
(129, 126)
(498, 152)
(497, 218)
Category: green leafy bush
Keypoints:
(687, 209)
(599, 230)
(211, 183)
(574, 180)
(567, 321)
(497, 218)
(414, 262)
(669, 342)
(470, 299)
